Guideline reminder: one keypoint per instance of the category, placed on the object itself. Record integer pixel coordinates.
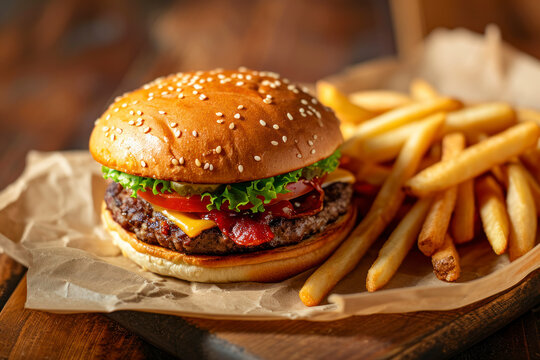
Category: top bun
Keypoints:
(215, 127)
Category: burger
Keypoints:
(223, 176)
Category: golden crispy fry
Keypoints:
(382, 211)
(422, 90)
(535, 189)
(437, 220)
(373, 174)
(397, 246)
(475, 160)
(385, 146)
(346, 111)
(521, 212)
(446, 261)
(492, 208)
(404, 115)
(379, 101)
(524, 115)
(483, 118)
(462, 224)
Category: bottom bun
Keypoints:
(262, 266)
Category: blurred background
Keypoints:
(63, 61)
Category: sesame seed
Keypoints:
(206, 166)
(262, 122)
(170, 88)
(139, 112)
(181, 160)
(240, 107)
(267, 101)
(203, 97)
(131, 112)
(304, 101)
(315, 137)
(240, 168)
(131, 122)
(113, 137)
(309, 112)
(174, 161)
(239, 83)
(218, 149)
(313, 151)
(211, 167)
(299, 156)
(257, 158)
(275, 126)
(105, 128)
(302, 110)
(108, 117)
(295, 91)
(124, 105)
(177, 133)
(143, 163)
(195, 92)
(118, 130)
(237, 116)
(314, 101)
(181, 96)
(303, 114)
(194, 133)
(310, 143)
(135, 102)
(164, 93)
(231, 126)
(162, 112)
(249, 77)
(220, 121)
(173, 124)
(198, 162)
(284, 138)
(150, 98)
(150, 94)
(290, 116)
(197, 86)
(273, 142)
(219, 113)
(116, 109)
(146, 129)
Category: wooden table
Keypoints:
(53, 86)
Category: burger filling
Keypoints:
(241, 217)
(154, 227)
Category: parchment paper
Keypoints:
(49, 219)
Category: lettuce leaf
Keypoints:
(256, 192)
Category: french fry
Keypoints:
(382, 211)
(421, 90)
(404, 115)
(525, 115)
(373, 174)
(521, 212)
(446, 261)
(535, 189)
(385, 146)
(499, 175)
(379, 101)
(492, 209)
(462, 223)
(397, 246)
(483, 118)
(437, 219)
(474, 160)
(345, 110)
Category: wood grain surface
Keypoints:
(63, 61)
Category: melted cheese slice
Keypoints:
(339, 175)
(189, 223)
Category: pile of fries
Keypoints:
(458, 163)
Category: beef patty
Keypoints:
(138, 216)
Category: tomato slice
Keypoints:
(195, 203)
(173, 201)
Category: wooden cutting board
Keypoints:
(425, 335)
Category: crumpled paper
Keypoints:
(49, 219)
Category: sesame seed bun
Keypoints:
(215, 127)
(263, 266)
